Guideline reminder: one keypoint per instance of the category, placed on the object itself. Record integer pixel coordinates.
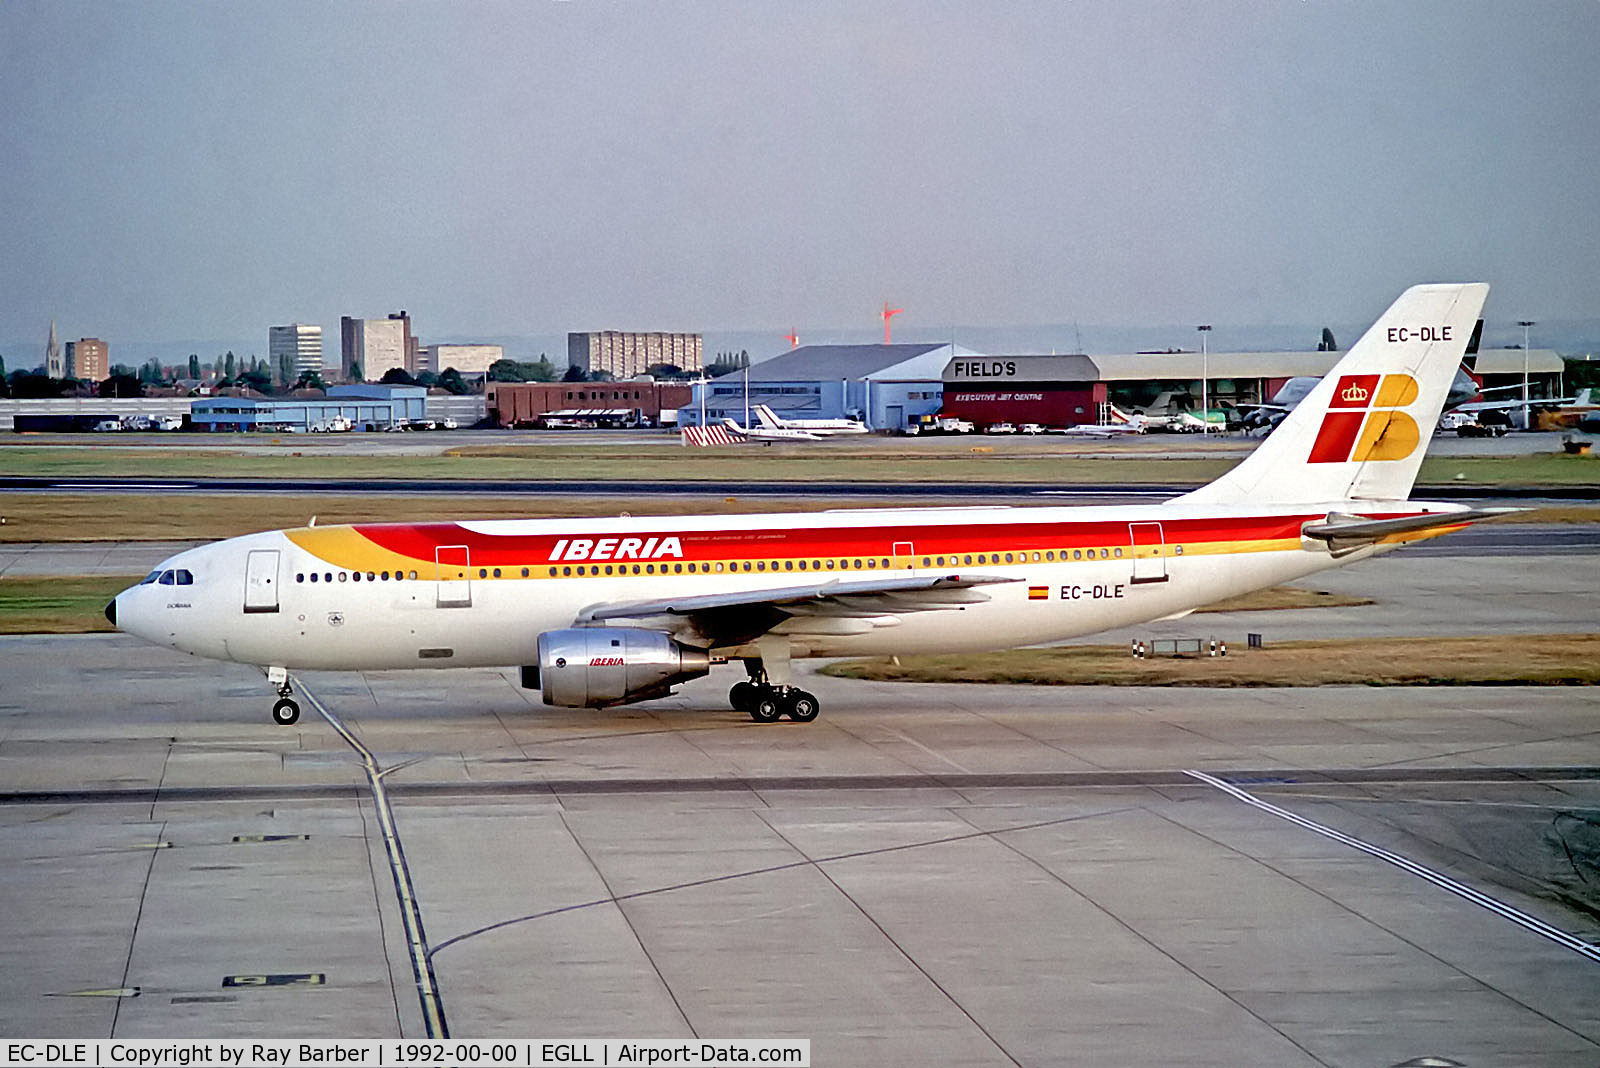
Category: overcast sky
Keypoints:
(180, 170)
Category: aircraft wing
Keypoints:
(833, 606)
(1346, 533)
(1097, 430)
(1509, 405)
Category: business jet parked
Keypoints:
(767, 433)
(1121, 423)
(608, 611)
(822, 428)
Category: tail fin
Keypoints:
(1362, 432)
(767, 417)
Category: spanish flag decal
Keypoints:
(1038, 593)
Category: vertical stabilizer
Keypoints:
(1362, 432)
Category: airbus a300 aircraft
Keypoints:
(609, 611)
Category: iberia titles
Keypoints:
(616, 549)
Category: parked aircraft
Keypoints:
(820, 427)
(1119, 422)
(762, 432)
(1122, 423)
(1481, 409)
(604, 611)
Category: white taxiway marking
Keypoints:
(1477, 897)
(410, 911)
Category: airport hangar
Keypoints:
(526, 404)
(889, 386)
(369, 407)
(1059, 391)
(884, 386)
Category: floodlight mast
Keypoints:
(1525, 324)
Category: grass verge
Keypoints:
(53, 517)
(1539, 660)
(876, 459)
(59, 604)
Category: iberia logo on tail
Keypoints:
(1363, 423)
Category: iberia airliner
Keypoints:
(607, 611)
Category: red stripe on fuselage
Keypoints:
(419, 541)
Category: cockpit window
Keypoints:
(168, 578)
(184, 577)
(148, 579)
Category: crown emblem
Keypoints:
(1354, 393)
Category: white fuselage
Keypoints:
(481, 593)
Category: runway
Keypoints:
(960, 875)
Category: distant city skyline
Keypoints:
(727, 169)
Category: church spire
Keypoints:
(52, 355)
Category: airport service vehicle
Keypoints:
(605, 611)
(1030, 428)
(1000, 428)
(337, 424)
(822, 428)
(1468, 424)
(947, 424)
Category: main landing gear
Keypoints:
(766, 703)
(287, 711)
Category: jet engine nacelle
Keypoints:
(600, 666)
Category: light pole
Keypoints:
(1205, 375)
(1525, 323)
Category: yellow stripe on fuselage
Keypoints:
(347, 549)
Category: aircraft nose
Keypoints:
(111, 612)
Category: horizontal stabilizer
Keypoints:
(1343, 533)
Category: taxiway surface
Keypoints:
(943, 875)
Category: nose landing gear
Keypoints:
(287, 710)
